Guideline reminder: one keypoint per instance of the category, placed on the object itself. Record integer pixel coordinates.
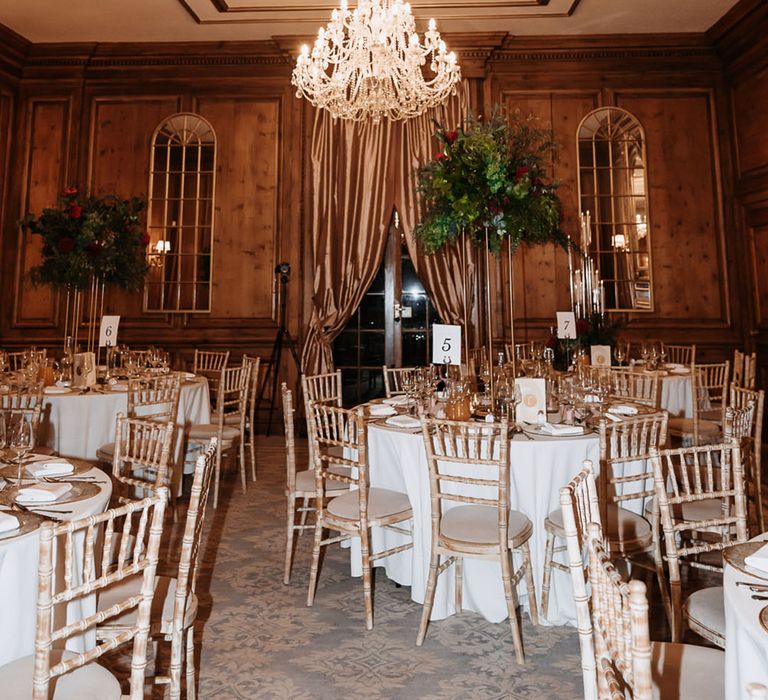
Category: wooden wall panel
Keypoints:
(689, 270)
(759, 250)
(46, 135)
(247, 181)
(6, 124)
(750, 105)
(121, 131)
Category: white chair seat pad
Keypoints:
(232, 419)
(479, 525)
(623, 525)
(684, 426)
(687, 672)
(90, 682)
(162, 603)
(205, 431)
(382, 503)
(707, 609)
(305, 481)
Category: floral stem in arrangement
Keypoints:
(511, 307)
(489, 324)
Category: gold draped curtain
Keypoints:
(360, 171)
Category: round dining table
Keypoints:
(19, 554)
(539, 466)
(746, 629)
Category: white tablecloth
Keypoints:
(676, 395)
(18, 582)
(746, 642)
(539, 468)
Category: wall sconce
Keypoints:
(161, 249)
(642, 226)
(620, 241)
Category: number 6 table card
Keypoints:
(446, 344)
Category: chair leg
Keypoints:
(459, 583)
(511, 598)
(549, 554)
(533, 609)
(429, 597)
(252, 449)
(365, 551)
(217, 476)
(177, 638)
(242, 459)
(191, 688)
(290, 525)
(304, 512)
(313, 571)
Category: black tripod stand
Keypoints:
(283, 338)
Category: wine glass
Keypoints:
(22, 442)
(620, 352)
(645, 352)
(663, 353)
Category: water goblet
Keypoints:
(22, 442)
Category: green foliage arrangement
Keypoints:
(490, 174)
(90, 237)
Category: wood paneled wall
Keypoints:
(85, 114)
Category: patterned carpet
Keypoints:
(260, 640)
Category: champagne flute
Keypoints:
(22, 442)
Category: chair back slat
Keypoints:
(681, 354)
(19, 405)
(393, 379)
(331, 428)
(154, 398)
(142, 446)
(322, 387)
(210, 361)
(635, 386)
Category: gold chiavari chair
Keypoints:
(681, 354)
(231, 398)
(628, 664)
(299, 484)
(354, 513)
(469, 472)
(64, 675)
(579, 506)
(393, 379)
(635, 386)
(175, 604)
(16, 359)
(254, 383)
(744, 369)
(752, 456)
(683, 478)
(16, 406)
(210, 361)
(709, 387)
(322, 387)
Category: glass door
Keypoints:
(392, 325)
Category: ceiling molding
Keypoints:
(741, 37)
(13, 52)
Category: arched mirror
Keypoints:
(613, 188)
(180, 216)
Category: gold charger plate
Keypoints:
(28, 522)
(736, 555)
(80, 491)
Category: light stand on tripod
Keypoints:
(283, 338)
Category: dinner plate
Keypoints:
(80, 491)
(535, 432)
(28, 522)
(736, 555)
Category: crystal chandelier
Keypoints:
(369, 63)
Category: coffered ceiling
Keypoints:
(239, 20)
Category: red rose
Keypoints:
(94, 248)
(451, 136)
(144, 239)
(520, 172)
(66, 244)
(75, 211)
(505, 199)
(440, 156)
(582, 326)
(69, 192)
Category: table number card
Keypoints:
(533, 398)
(108, 332)
(446, 343)
(566, 325)
(600, 355)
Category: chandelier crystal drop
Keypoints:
(368, 63)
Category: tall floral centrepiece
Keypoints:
(91, 238)
(490, 175)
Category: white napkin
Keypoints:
(680, 370)
(189, 375)
(674, 365)
(381, 409)
(8, 522)
(118, 386)
(623, 410)
(404, 422)
(397, 401)
(613, 417)
(758, 560)
(561, 429)
(43, 493)
(50, 468)
(56, 390)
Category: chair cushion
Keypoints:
(105, 453)
(305, 481)
(232, 419)
(684, 426)
(707, 609)
(623, 526)
(687, 672)
(205, 431)
(381, 504)
(90, 682)
(162, 603)
(479, 525)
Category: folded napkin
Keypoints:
(118, 386)
(8, 522)
(56, 390)
(381, 409)
(43, 493)
(612, 416)
(397, 401)
(189, 375)
(680, 370)
(561, 429)
(50, 468)
(404, 422)
(758, 560)
(623, 410)
(674, 365)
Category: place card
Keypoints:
(566, 325)
(600, 355)
(84, 369)
(533, 398)
(446, 344)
